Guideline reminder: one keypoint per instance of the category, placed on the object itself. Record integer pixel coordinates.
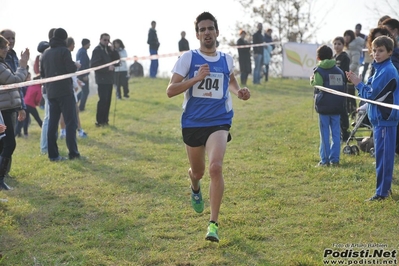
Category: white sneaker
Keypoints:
(62, 134)
(82, 134)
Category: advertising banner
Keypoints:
(299, 59)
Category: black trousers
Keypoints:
(350, 102)
(104, 103)
(25, 124)
(121, 80)
(244, 78)
(67, 106)
(8, 143)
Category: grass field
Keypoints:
(129, 202)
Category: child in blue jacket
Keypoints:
(328, 105)
(383, 86)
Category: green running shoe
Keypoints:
(197, 202)
(212, 234)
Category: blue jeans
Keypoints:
(258, 59)
(329, 152)
(43, 137)
(154, 64)
(384, 145)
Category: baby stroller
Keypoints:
(366, 143)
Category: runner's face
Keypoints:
(207, 34)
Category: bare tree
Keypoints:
(292, 21)
(291, 18)
(385, 7)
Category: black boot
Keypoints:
(8, 169)
(4, 162)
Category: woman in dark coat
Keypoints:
(244, 58)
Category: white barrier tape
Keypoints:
(78, 73)
(46, 80)
(154, 56)
(255, 45)
(393, 106)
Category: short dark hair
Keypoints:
(324, 52)
(385, 41)
(391, 23)
(205, 16)
(104, 34)
(382, 19)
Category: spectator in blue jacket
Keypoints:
(383, 87)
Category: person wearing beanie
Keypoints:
(60, 34)
(60, 95)
(84, 60)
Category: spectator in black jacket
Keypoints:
(136, 69)
(244, 58)
(103, 54)
(183, 43)
(56, 61)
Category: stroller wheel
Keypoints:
(355, 150)
(347, 150)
